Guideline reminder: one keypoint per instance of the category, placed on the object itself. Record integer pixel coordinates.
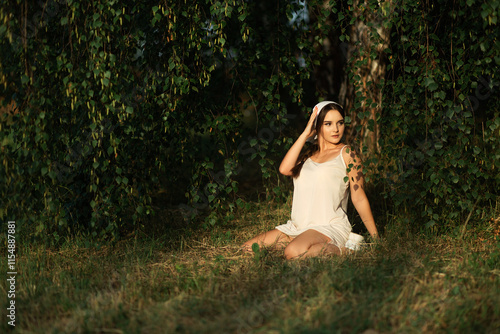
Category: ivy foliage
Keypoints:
(438, 116)
(440, 124)
(106, 103)
(113, 101)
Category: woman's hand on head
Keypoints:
(291, 157)
(310, 131)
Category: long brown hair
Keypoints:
(314, 147)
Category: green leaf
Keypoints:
(431, 84)
(255, 247)
(242, 16)
(441, 95)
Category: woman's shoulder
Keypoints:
(349, 155)
(347, 151)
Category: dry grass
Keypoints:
(200, 282)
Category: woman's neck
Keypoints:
(325, 146)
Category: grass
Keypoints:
(192, 281)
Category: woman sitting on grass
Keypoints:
(322, 178)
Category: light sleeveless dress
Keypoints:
(320, 199)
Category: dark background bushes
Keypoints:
(114, 110)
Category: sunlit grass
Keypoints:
(198, 281)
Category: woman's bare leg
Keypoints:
(310, 243)
(274, 238)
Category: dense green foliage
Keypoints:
(117, 101)
(440, 122)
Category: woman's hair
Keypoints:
(314, 147)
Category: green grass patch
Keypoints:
(198, 281)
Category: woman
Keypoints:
(323, 176)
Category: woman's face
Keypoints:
(333, 127)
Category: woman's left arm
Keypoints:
(358, 195)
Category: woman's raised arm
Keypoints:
(290, 159)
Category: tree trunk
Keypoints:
(361, 91)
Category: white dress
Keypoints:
(320, 201)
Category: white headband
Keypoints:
(317, 108)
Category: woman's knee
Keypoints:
(269, 238)
(294, 250)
